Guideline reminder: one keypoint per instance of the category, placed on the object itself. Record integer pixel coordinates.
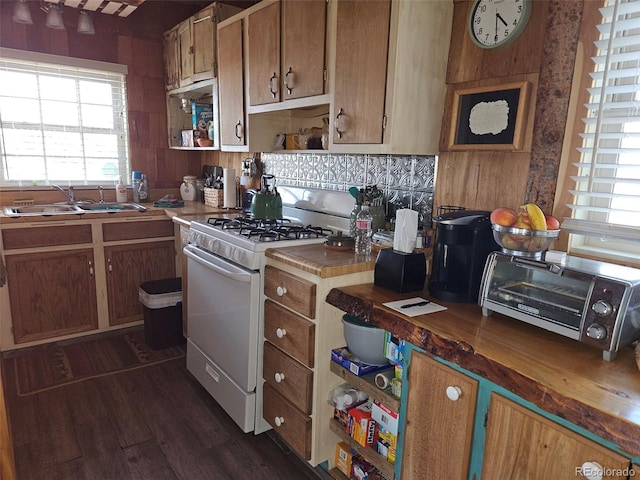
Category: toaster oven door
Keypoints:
(540, 293)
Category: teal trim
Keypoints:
(406, 363)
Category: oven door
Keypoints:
(224, 325)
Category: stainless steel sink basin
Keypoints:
(70, 209)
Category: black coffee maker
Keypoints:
(463, 242)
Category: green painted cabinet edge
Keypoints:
(482, 409)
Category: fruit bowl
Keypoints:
(523, 242)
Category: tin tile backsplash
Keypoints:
(407, 181)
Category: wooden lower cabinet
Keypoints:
(52, 294)
(292, 425)
(441, 404)
(522, 444)
(128, 266)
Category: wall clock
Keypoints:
(496, 23)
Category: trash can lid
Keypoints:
(165, 285)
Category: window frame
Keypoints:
(124, 164)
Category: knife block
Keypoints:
(400, 272)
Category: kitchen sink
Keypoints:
(70, 209)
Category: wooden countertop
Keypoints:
(559, 375)
(321, 261)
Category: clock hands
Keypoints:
(499, 17)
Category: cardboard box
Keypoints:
(362, 427)
(394, 348)
(201, 115)
(387, 437)
(190, 137)
(344, 457)
(342, 415)
(342, 356)
(385, 417)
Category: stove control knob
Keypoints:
(602, 308)
(596, 331)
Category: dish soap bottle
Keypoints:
(121, 191)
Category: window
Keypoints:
(63, 120)
(606, 198)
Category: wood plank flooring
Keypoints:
(153, 423)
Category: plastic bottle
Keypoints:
(121, 191)
(136, 180)
(143, 189)
(363, 231)
(353, 396)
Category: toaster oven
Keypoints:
(594, 302)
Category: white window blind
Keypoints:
(606, 206)
(62, 122)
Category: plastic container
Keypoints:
(364, 222)
(162, 305)
(136, 179)
(143, 189)
(121, 191)
(365, 341)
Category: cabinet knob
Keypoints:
(592, 470)
(239, 132)
(289, 80)
(273, 85)
(281, 291)
(279, 377)
(281, 332)
(453, 393)
(338, 124)
(278, 421)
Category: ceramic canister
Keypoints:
(188, 190)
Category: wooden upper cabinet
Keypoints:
(264, 55)
(303, 48)
(440, 413)
(523, 444)
(202, 32)
(185, 46)
(231, 84)
(362, 40)
(171, 60)
(294, 31)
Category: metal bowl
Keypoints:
(523, 242)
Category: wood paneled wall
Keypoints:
(544, 55)
(135, 41)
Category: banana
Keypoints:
(536, 216)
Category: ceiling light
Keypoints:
(54, 18)
(85, 24)
(21, 13)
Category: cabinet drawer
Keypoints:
(295, 427)
(293, 292)
(292, 379)
(289, 332)
(134, 230)
(32, 237)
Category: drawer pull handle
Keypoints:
(212, 373)
(279, 377)
(592, 470)
(278, 421)
(281, 332)
(281, 291)
(453, 393)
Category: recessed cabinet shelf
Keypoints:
(178, 120)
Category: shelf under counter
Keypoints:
(557, 374)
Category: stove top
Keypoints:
(269, 230)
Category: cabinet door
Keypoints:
(523, 444)
(264, 55)
(362, 41)
(303, 47)
(52, 294)
(171, 60)
(127, 267)
(437, 442)
(203, 44)
(230, 76)
(185, 43)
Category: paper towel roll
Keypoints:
(229, 187)
(404, 237)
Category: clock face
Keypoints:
(495, 23)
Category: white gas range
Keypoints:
(226, 259)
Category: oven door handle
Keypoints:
(199, 257)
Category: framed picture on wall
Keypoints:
(489, 117)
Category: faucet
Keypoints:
(71, 198)
(101, 193)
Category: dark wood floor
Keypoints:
(154, 423)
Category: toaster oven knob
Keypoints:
(596, 331)
(602, 308)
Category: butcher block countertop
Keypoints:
(559, 375)
(321, 261)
